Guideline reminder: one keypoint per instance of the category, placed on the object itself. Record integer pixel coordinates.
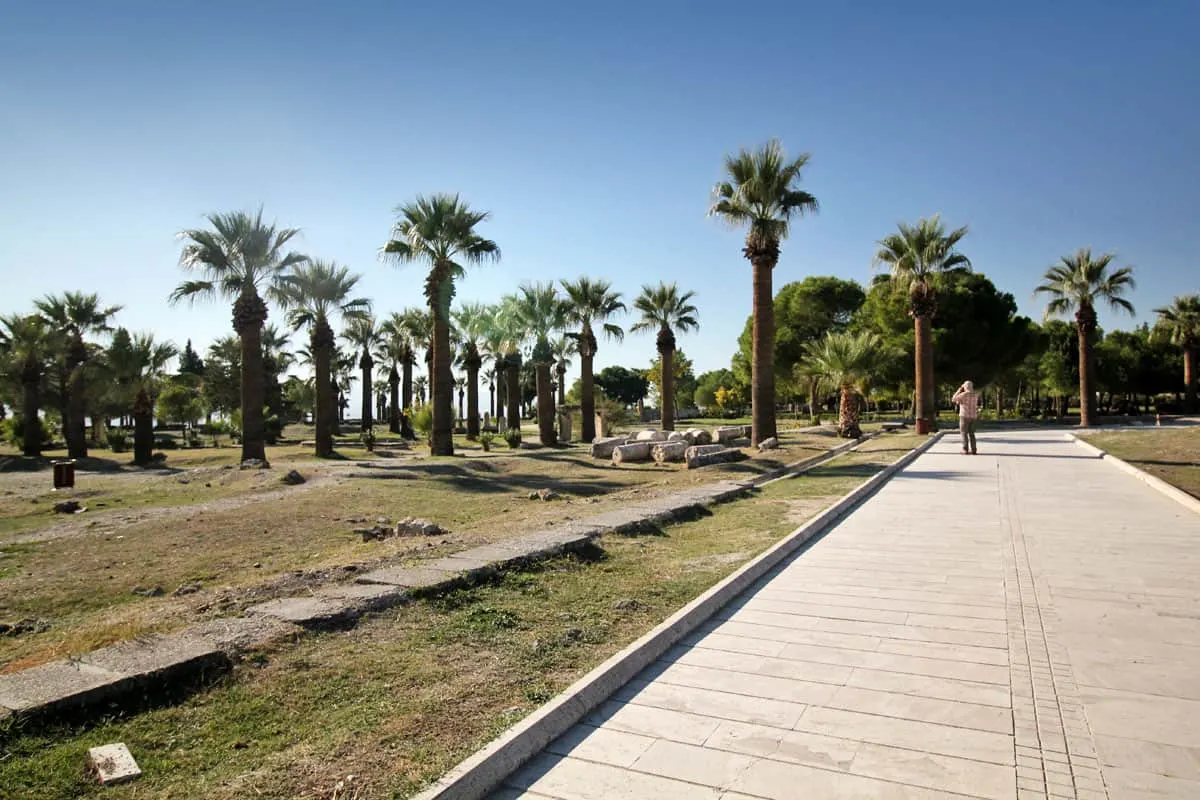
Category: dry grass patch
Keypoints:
(1170, 454)
(406, 694)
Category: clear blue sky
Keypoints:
(594, 133)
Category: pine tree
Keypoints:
(190, 362)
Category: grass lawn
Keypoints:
(1170, 454)
(406, 694)
(242, 537)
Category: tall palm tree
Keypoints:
(147, 367)
(847, 360)
(393, 350)
(1076, 284)
(665, 310)
(75, 315)
(25, 345)
(237, 255)
(440, 230)
(761, 191)
(1180, 322)
(562, 348)
(410, 330)
(420, 384)
(917, 255)
(362, 332)
(541, 312)
(503, 341)
(472, 322)
(591, 302)
(313, 293)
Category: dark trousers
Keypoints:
(967, 428)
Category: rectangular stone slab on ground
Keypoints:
(113, 763)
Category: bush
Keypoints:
(272, 428)
(486, 438)
(166, 443)
(367, 438)
(118, 439)
(513, 437)
(422, 421)
(14, 432)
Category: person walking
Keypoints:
(967, 400)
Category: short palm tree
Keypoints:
(489, 377)
(313, 293)
(664, 310)
(504, 342)
(1076, 284)
(75, 315)
(591, 303)
(1180, 323)
(541, 312)
(420, 384)
(440, 230)
(562, 348)
(847, 360)
(761, 191)
(25, 351)
(917, 255)
(237, 255)
(394, 350)
(363, 332)
(149, 361)
(472, 322)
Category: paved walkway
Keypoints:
(1021, 624)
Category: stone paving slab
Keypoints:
(55, 686)
(1019, 624)
(309, 612)
(157, 657)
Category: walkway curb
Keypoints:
(1176, 494)
(483, 772)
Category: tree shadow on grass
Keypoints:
(468, 479)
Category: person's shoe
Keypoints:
(974, 453)
(965, 453)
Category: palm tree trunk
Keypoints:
(1087, 401)
(492, 399)
(1189, 379)
(442, 440)
(513, 390)
(473, 400)
(366, 364)
(76, 411)
(762, 377)
(143, 428)
(321, 343)
(394, 397)
(813, 383)
(406, 384)
(31, 376)
(848, 427)
(545, 405)
(923, 374)
(587, 385)
(249, 315)
(667, 401)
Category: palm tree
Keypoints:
(148, 364)
(75, 315)
(362, 332)
(1180, 322)
(1076, 284)
(762, 191)
(666, 311)
(848, 360)
(541, 311)
(472, 322)
(591, 302)
(313, 293)
(407, 331)
(562, 348)
(25, 343)
(236, 256)
(503, 341)
(420, 383)
(440, 229)
(917, 255)
(393, 350)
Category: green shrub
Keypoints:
(367, 438)
(486, 438)
(513, 437)
(13, 432)
(166, 443)
(422, 421)
(272, 427)
(118, 439)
